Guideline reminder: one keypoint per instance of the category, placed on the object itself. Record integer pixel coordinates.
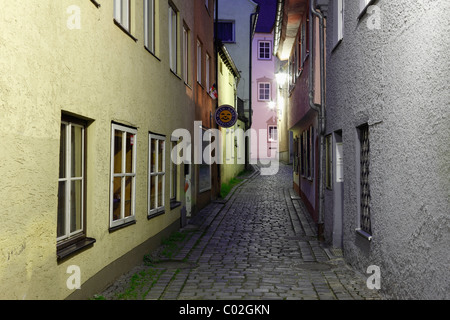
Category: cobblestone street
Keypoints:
(256, 244)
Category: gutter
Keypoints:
(278, 26)
(319, 108)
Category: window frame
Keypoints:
(175, 175)
(173, 38)
(123, 220)
(68, 179)
(208, 72)
(233, 30)
(203, 132)
(159, 209)
(186, 56)
(269, 138)
(270, 91)
(123, 18)
(329, 161)
(150, 43)
(268, 49)
(338, 23)
(366, 231)
(199, 61)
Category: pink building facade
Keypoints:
(264, 98)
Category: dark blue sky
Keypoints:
(266, 20)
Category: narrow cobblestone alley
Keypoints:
(256, 244)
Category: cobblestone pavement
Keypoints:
(257, 244)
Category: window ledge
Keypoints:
(124, 225)
(152, 53)
(175, 74)
(155, 214)
(78, 246)
(363, 234)
(175, 204)
(121, 27)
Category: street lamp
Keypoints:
(272, 105)
(281, 78)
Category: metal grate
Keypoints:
(365, 186)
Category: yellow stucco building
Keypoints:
(233, 143)
(89, 97)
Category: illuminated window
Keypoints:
(123, 175)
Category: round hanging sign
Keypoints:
(226, 116)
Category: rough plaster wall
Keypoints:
(396, 79)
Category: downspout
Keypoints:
(319, 108)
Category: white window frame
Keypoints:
(68, 179)
(260, 43)
(199, 61)
(263, 97)
(149, 25)
(338, 22)
(157, 174)
(186, 36)
(122, 13)
(123, 175)
(233, 32)
(270, 136)
(207, 71)
(173, 39)
(174, 169)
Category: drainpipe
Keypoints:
(319, 108)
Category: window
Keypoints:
(186, 35)
(122, 13)
(303, 46)
(364, 157)
(328, 161)
(173, 38)
(207, 71)
(226, 31)
(264, 50)
(157, 173)
(149, 25)
(310, 150)
(307, 153)
(303, 158)
(264, 91)
(338, 22)
(273, 134)
(123, 175)
(295, 163)
(174, 175)
(199, 61)
(71, 190)
(71, 215)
